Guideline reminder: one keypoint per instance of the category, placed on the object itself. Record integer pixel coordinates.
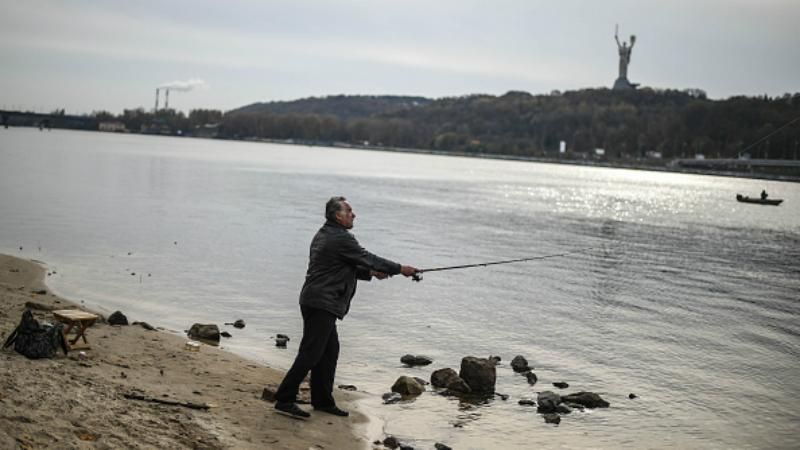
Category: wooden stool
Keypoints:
(80, 320)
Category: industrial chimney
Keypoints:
(166, 98)
(156, 110)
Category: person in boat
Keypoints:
(763, 194)
(336, 262)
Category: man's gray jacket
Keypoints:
(335, 261)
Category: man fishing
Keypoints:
(336, 262)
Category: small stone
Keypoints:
(548, 401)
(238, 323)
(145, 325)
(391, 397)
(407, 386)
(587, 399)
(391, 442)
(415, 360)
(225, 334)
(527, 402)
(347, 387)
(440, 446)
(552, 418)
(632, 396)
(268, 394)
(561, 385)
(520, 364)
(117, 318)
(531, 377)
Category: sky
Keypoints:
(95, 55)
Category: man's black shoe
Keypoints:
(333, 410)
(291, 410)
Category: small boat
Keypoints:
(759, 201)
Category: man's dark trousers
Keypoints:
(318, 353)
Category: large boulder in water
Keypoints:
(479, 374)
(442, 377)
(206, 332)
(407, 386)
(587, 399)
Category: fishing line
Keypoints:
(767, 136)
(418, 276)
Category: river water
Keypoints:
(687, 298)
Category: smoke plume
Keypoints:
(184, 86)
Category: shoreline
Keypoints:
(664, 166)
(80, 401)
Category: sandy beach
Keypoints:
(79, 401)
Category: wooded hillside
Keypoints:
(625, 124)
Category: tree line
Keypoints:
(626, 125)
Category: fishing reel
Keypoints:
(417, 276)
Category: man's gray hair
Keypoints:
(333, 206)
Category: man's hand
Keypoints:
(407, 271)
(379, 275)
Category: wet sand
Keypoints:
(80, 402)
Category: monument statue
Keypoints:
(624, 59)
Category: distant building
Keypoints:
(653, 154)
(209, 130)
(115, 127)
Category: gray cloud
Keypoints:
(256, 50)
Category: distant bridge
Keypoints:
(32, 119)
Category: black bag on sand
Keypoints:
(36, 340)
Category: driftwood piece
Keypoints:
(189, 405)
(39, 306)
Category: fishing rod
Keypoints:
(418, 276)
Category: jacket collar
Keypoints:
(334, 224)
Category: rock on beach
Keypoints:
(407, 386)
(587, 399)
(479, 374)
(207, 332)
